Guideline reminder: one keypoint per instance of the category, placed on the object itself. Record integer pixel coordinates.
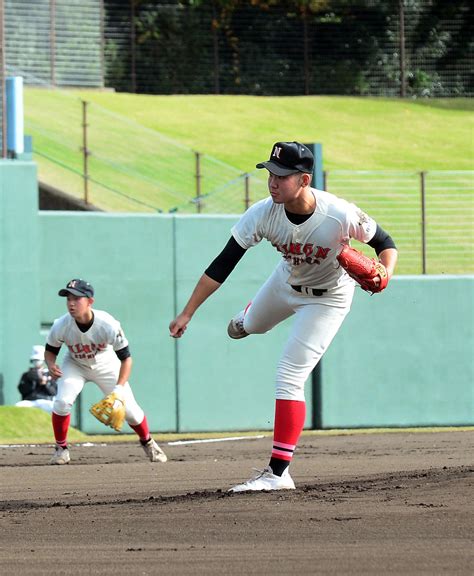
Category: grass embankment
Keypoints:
(143, 145)
(29, 426)
(357, 133)
(33, 426)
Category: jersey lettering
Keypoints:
(82, 351)
(322, 252)
(310, 254)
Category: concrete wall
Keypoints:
(128, 261)
(402, 358)
(19, 272)
(143, 269)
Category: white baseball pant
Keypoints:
(317, 320)
(104, 374)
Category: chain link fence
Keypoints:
(364, 47)
(55, 42)
(430, 214)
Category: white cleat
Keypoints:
(235, 329)
(154, 452)
(60, 456)
(266, 480)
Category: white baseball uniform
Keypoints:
(90, 357)
(309, 261)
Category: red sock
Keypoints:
(142, 429)
(60, 428)
(289, 422)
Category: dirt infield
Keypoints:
(394, 503)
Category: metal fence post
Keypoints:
(247, 190)
(198, 181)
(85, 152)
(423, 221)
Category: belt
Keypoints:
(310, 291)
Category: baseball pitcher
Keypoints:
(314, 282)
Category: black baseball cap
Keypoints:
(77, 287)
(289, 158)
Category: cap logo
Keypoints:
(276, 152)
(72, 284)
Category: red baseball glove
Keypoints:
(370, 274)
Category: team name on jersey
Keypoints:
(82, 351)
(298, 253)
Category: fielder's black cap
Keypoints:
(289, 158)
(77, 287)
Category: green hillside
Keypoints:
(33, 426)
(29, 425)
(143, 147)
(357, 133)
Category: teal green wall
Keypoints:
(128, 259)
(402, 358)
(223, 384)
(19, 276)
(203, 381)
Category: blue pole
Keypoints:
(15, 120)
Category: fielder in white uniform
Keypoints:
(97, 351)
(308, 227)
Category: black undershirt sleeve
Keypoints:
(123, 353)
(226, 261)
(53, 349)
(381, 241)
